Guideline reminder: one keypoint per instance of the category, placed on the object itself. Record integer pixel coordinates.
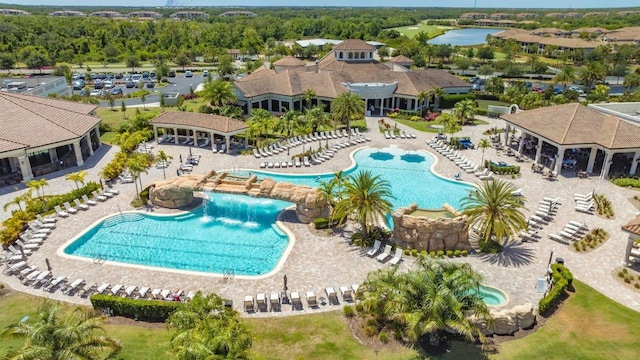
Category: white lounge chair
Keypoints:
(57, 282)
(249, 305)
(142, 292)
(312, 300)
(130, 290)
(274, 301)
(295, 300)
(261, 300)
(332, 295)
(347, 293)
(102, 288)
(397, 257)
(385, 254)
(585, 210)
(99, 197)
(80, 205)
(297, 162)
(46, 220)
(60, 212)
(306, 161)
(70, 209)
(88, 201)
(374, 249)
(74, 286)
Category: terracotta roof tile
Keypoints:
(216, 123)
(354, 44)
(401, 59)
(289, 61)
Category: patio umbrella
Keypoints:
(190, 154)
(180, 159)
(101, 186)
(285, 283)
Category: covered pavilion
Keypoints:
(196, 126)
(604, 140)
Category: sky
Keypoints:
(555, 4)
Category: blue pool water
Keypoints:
(230, 233)
(492, 296)
(407, 172)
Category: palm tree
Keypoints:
(346, 107)
(316, 117)
(77, 336)
(450, 123)
(421, 97)
(262, 119)
(632, 80)
(218, 92)
(19, 199)
(594, 73)
(309, 95)
(204, 328)
(38, 187)
(483, 144)
(137, 165)
(464, 110)
(437, 93)
(367, 196)
(495, 211)
(162, 157)
(566, 75)
(288, 122)
(77, 177)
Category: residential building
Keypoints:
(238, 13)
(67, 13)
(107, 14)
(145, 15)
(189, 15)
(13, 12)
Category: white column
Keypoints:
(592, 159)
(25, 167)
(227, 138)
(53, 156)
(507, 134)
(155, 133)
(89, 143)
(290, 105)
(521, 144)
(634, 163)
(175, 132)
(78, 151)
(559, 159)
(98, 135)
(608, 159)
(538, 150)
(381, 107)
(195, 138)
(211, 136)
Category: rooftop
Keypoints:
(215, 123)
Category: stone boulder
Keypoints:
(176, 192)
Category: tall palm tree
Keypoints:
(77, 177)
(19, 199)
(464, 110)
(632, 80)
(594, 73)
(204, 328)
(218, 92)
(421, 97)
(162, 157)
(316, 117)
(262, 119)
(38, 187)
(77, 336)
(308, 95)
(367, 196)
(437, 93)
(495, 210)
(346, 107)
(483, 144)
(566, 76)
(450, 123)
(288, 122)
(137, 165)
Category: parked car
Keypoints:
(136, 78)
(129, 84)
(108, 84)
(172, 73)
(116, 91)
(150, 85)
(205, 73)
(188, 73)
(96, 92)
(152, 75)
(97, 84)
(78, 84)
(118, 75)
(576, 89)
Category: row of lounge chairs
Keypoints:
(573, 231)
(188, 140)
(388, 134)
(69, 209)
(385, 254)
(279, 147)
(274, 301)
(585, 203)
(547, 209)
(460, 160)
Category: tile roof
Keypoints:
(33, 121)
(633, 226)
(354, 44)
(289, 61)
(576, 124)
(215, 123)
(401, 59)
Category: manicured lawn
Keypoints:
(424, 126)
(589, 326)
(432, 30)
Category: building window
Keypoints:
(350, 55)
(362, 55)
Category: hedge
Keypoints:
(448, 101)
(38, 207)
(142, 309)
(627, 182)
(562, 280)
(502, 170)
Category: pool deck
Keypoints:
(318, 261)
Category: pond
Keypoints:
(464, 37)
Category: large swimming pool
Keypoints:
(408, 172)
(230, 234)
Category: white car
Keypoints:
(576, 89)
(108, 84)
(205, 73)
(96, 92)
(188, 73)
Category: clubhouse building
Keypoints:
(350, 66)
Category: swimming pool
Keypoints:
(492, 296)
(229, 234)
(408, 173)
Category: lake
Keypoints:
(464, 37)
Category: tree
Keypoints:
(566, 75)
(77, 177)
(632, 80)
(163, 158)
(50, 336)
(7, 61)
(594, 73)
(422, 304)
(495, 211)
(133, 62)
(485, 53)
(485, 70)
(143, 99)
(112, 101)
(463, 64)
(316, 117)
(464, 110)
(262, 120)
(450, 123)
(346, 107)
(308, 95)
(36, 61)
(226, 65)
(367, 196)
(494, 85)
(182, 60)
(137, 165)
(110, 53)
(38, 187)
(483, 144)
(218, 92)
(437, 93)
(204, 328)
(288, 122)
(123, 109)
(25, 197)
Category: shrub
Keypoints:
(448, 101)
(414, 252)
(432, 254)
(456, 253)
(359, 308)
(321, 223)
(144, 194)
(562, 279)
(637, 285)
(407, 252)
(440, 253)
(449, 253)
(370, 331)
(423, 253)
(349, 311)
(627, 182)
(464, 252)
(627, 280)
(384, 337)
(148, 310)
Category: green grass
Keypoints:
(431, 30)
(424, 126)
(589, 326)
(139, 343)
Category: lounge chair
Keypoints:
(99, 197)
(305, 161)
(31, 277)
(557, 238)
(261, 301)
(115, 290)
(42, 279)
(297, 162)
(88, 201)
(130, 290)
(74, 286)
(256, 153)
(295, 300)
(311, 299)
(80, 205)
(347, 293)
(60, 212)
(18, 252)
(397, 257)
(263, 164)
(22, 274)
(586, 210)
(29, 246)
(155, 294)
(55, 283)
(10, 270)
(70, 209)
(385, 254)
(46, 220)
(190, 295)
(113, 191)
(102, 288)
(274, 300)
(374, 249)
(164, 294)
(143, 292)
(332, 295)
(249, 305)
